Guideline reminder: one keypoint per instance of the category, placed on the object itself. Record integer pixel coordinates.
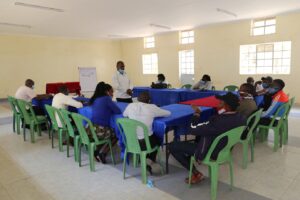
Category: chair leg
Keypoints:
(252, 148)
(285, 131)
(18, 125)
(91, 149)
(192, 160)
(124, 163)
(24, 131)
(276, 139)
(214, 181)
(76, 145)
(159, 161)
(79, 154)
(38, 127)
(245, 154)
(48, 128)
(32, 132)
(231, 173)
(14, 123)
(135, 160)
(68, 145)
(143, 168)
(60, 140)
(111, 153)
(52, 138)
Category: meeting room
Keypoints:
(164, 100)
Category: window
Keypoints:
(263, 26)
(150, 65)
(149, 42)
(186, 62)
(187, 37)
(267, 58)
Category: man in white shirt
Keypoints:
(25, 92)
(122, 84)
(144, 112)
(62, 100)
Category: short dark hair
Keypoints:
(206, 77)
(63, 89)
(280, 83)
(250, 89)
(144, 97)
(250, 79)
(161, 77)
(29, 82)
(119, 63)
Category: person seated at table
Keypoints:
(278, 98)
(250, 80)
(160, 83)
(145, 112)
(102, 110)
(266, 84)
(62, 100)
(203, 84)
(258, 86)
(26, 93)
(247, 104)
(205, 132)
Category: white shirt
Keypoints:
(61, 100)
(144, 113)
(202, 85)
(25, 93)
(121, 84)
(259, 88)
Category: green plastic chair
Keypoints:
(31, 119)
(286, 122)
(187, 86)
(127, 128)
(85, 140)
(53, 112)
(252, 122)
(224, 156)
(17, 117)
(276, 124)
(66, 121)
(231, 88)
(213, 88)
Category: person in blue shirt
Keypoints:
(102, 110)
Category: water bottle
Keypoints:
(150, 183)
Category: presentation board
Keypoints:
(87, 78)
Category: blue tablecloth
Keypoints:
(163, 97)
(179, 120)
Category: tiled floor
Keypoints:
(35, 171)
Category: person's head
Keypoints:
(266, 81)
(228, 102)
(205, 78)
(250, 80)
(120, 66)
(63, 89)
(102, 89)
(29, 83)
(277, 85)
(161, 78)
(247, 89)
(144, 97)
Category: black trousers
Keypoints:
(182, 152)
(38, 110)
(154, 141)
(129, 100)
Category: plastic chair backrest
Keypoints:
(213, 88)
(128, 128)
(66, 121)
(231, 88)
(252, 122)
(187, 86)
(233, 137)
(52, 114)
(280, 114)
(26, 110)
(291, 103)
(79, 121)
(12, 102)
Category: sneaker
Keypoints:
(196, 178)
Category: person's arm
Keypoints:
(125, 113)
(31, 93)
(158, 112)
(208, 85)
(272, 109)
(113, 106)
(72, 102)
(207, 128)
(116, 83)
(196, 86)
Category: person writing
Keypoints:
(122, 84)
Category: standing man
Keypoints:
(122, 84)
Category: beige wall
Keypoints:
(47, 59)
(216, 53)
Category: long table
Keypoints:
(162, 97)
(179, 121)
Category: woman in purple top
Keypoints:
(102, 110)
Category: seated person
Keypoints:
(250, 80)
(278, 98)
(62, 100)
(203, 84)
(160, 83)
(103, 108)
(266, 83)
(247, 104)
(26, 93)
(145, 112)
(258, 86)
(226, 119)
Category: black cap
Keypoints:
(267, 78)
(230, 99)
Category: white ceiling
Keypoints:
(129, 18)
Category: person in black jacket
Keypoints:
(226, 119)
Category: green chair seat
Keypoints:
(17, 116)
(187, 86)
(231, 88)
